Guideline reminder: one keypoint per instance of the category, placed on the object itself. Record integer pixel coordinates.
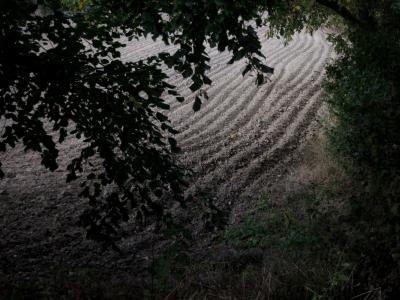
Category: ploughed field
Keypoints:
(241, 141)
(244, 135)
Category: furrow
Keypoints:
(282, 148)
(253, 151)
(183, 114)
(257, 102)
(275, 120)
(223, 106)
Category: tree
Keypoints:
(60, 72)
(364, 98)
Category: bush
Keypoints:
(363, 95)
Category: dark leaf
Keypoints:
(197, 104)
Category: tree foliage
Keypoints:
(364, 97)
(61, 75)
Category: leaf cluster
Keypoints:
(61, 76)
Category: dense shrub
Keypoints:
(363, 95)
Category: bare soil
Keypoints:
(240, 144)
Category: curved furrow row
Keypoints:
(252, 151)
(252, 130)
(274, 133)
(182, 84)
(229, 106)
(269, 115)
(283, 147)
(140, 49)
(244, 131)
(220, 84)
(261, 182)
(218, 60)
(252, 104)
(218, 76)
(245, 165)
(223, 101)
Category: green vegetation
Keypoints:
(299, 247)
(275, 226)
(363, 95)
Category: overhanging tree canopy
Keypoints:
(61, 71)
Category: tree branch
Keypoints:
(340, 10)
